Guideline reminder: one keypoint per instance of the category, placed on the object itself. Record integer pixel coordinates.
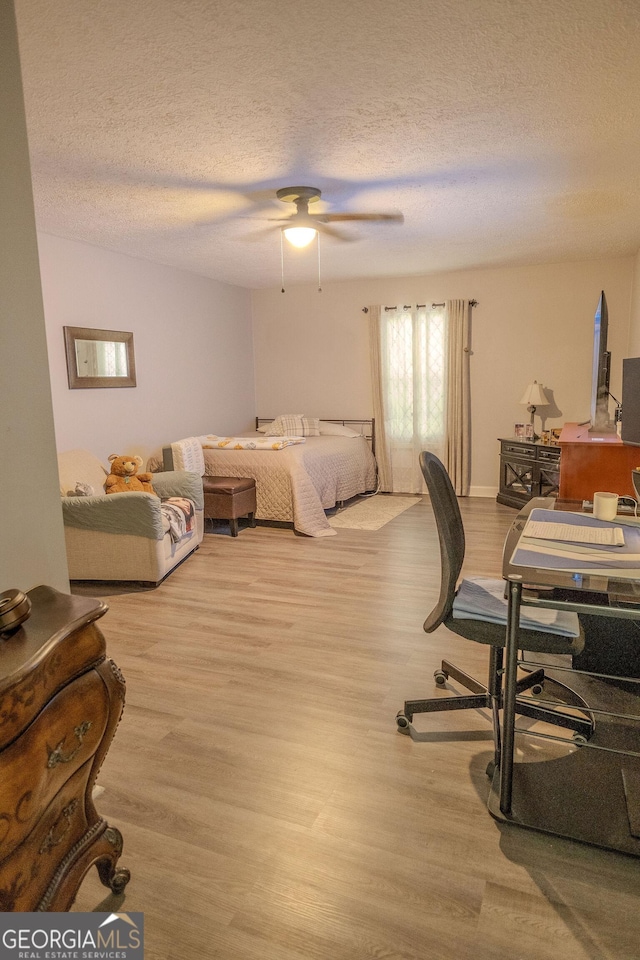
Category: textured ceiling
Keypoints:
(506, 131)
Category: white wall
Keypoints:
(634, 325)
(32, 534)
(531, 323)
(193, 350)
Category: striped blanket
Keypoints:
(211, 442)
(178, 512)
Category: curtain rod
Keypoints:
(407, 306)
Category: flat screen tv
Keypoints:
(600, 422)
(630, 432)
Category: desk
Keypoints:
(594, 461)
(592, 794)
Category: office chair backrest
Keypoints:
(450, 534)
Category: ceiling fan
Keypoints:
(302, 227)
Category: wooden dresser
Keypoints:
(595, 461)
(527, 469)
(60, 703)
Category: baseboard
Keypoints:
(490, 493)
(483, 492)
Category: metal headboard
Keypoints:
(367, 427)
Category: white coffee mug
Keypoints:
(605, 506)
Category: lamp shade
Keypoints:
(534, 396)
(300, 236)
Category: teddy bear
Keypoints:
(124, 476)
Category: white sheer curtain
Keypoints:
(409, 372)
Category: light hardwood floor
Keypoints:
(269, 808)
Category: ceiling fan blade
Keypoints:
(321, 227)
(338, 217)
(256, 236)
(270, 219)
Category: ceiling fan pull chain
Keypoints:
(319, 285)
(282, 260)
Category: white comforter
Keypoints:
(297, 484)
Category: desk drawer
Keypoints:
(518, 450)
(549, 454)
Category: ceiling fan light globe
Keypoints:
(300, 236)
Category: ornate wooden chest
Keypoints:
(60, 702)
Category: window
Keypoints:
(413, 360)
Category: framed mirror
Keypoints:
(99, 358)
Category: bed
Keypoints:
(298, 483)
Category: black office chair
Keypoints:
(452, 545)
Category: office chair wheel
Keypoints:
(579, 739)
(537, 689)
(491, 769)
(440, 677)
(403, 723)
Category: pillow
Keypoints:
(337, 430)
(293, 425)
(310, 427)
(83, 466)
(265, 427)
(81, 490)
(286, 425)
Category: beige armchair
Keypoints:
(124, 536)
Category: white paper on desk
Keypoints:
(622, 573)
(611, 535)
(580, 552)
(481, 598)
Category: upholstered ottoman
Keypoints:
(227, 498)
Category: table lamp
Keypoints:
(534, 397)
